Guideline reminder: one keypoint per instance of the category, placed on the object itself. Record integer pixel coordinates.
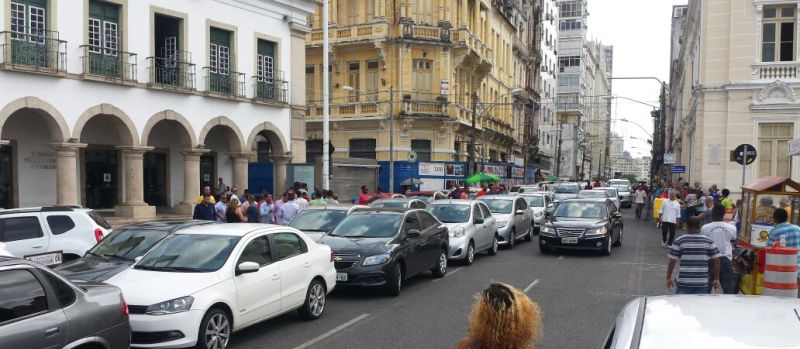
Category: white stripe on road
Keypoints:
(331, 332)
(456, 270)
(534, 283)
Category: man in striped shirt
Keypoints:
(787, 234)
(694, 251)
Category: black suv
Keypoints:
(582, 224)
(385, 246)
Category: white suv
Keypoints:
(50, 235)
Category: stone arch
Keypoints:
(59, 134)
(107, 109)
(228, 123)
(272, 133)
(168, 115)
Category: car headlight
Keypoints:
(457, 232)
(547, 230)
(172, 306)
(500, 224)
(598, 231)
(377, 259)
(537, 215)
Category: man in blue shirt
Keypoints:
(694, 251)
(787, 234)
(204, 210)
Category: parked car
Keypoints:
(429, 195)
(564, 191)
(513, 218)
(519, 189)
(52, 234)
(624, 190)
(203, 283)
(119, 250)
(317, 221)
(3, 251)
(593, 194)
(399, 203)
(541, 203)
(39, 309)
(620, 182)
(613, 195)
(471, 226)
(582, 224)
(704, 321)
(383, 247)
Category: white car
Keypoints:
(470, 226)
(540, 202)
(3, 251)
(52, 234)
(203, 283)
(613, 195)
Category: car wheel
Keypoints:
(315, 301)
(215, 330)
(470, 254)
(619, 238)
(441, 265)
(395, 282)
(495, 246)
(607, 246)
(512, 238)
(544, 249)
(529, 235)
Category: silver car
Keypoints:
(399, 203)
(566, 191)
(540, 202)
(513, 218)
(471, 225)
(39, 309)
(613, 195)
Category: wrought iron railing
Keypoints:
(224, 82)
(271, 89)
(171, 73)
(108, 63)
(36, 49)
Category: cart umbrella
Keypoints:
(481, 177)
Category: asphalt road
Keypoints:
(580, 295)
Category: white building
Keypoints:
(136, 104)
(546, 119)
(598, 106)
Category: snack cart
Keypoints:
(759, 201)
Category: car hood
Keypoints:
(138, 286)
(564, 196)
(578, 223)
(452, 226)
(91, 268)
(314, 235)
(366, 246)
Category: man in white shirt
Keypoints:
(302, 199)
(640, 197)
(668, 216)
(724, 237)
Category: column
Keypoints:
(66, 173)
(280, 163)
(240, 169)
(333, 9)
(191, 179)
(134, 206)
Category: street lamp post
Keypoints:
(390, 116)
(471, 146)
(326, 112)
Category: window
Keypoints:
(476, 212)
(265, 61)
(19, 228)
(372, 79)
(569, 61)
(569, 80)
(485, 210)
(60, 224)
(423, 149)
(28, 20)
(311, 97)
(219, 60)
(362, 148)
(256, 251)
(570, 24)
(288, 245)
(568, 100)
(426, 221)
(571, 9)
(422, 78)
(21, 295)
(313, 149)
(422, 10)
(64, 292)
(354, 81)
(777, 33)
(411, 222)
(103, 28)
(521, 204)
(773, 149)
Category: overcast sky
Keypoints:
(639, 30)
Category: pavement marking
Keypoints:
(534, 283)
(331, 332)
(456, 270)
(561, 257)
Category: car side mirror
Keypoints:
(519, 212)
(413, 233)
(617, 215)
(478, 221)
(247, 267)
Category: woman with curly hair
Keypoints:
(503, 318)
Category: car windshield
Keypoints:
(380, 204)
(621, 187)
(499, 205)
(128, 243)
(450, 213)
(317, 220)
(612, 193)
(189, 253)
(567, 189)
(592, 194)
(368, 226)
(569, 209)
(535, 200)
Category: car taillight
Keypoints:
(98, 235)
(124, 308)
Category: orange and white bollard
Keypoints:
(780, 271)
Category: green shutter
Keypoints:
(104, 11)
(220, 37)
(266, 48)
(37, 3)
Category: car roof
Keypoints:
(603, 188)
(6, 261)
(720, 321)
(366, 210)
(395, 200)
(452, 202)
(331, 207)
(43, 209)
(587, 200)
(166, 225)
(239, 229)
(498, 197)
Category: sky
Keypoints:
(639, 30)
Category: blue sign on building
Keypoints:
(678, 169)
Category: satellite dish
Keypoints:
(412, 156)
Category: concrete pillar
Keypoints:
(333, 9)
(280, 163)
(240, 169)
(66, 173)
(134, 206)
(191, 179)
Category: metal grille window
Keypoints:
(423, 149)
(94, 36)
(362, 148)
(569, 61)
(778, 33)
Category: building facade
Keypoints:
(595, 145)
(546, 118)
(134, 105)
(733, 85)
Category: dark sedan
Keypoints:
(317, 221)
(582, 224)
(383, 247)
(118, 251)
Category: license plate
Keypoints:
(48, 259)
(569, 240)
(341, 276)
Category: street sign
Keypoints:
(412, 156)
(669, 158)
(794, 147)
(738, 154)
(678, 169)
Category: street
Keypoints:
(580, 295)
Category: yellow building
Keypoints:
(430, 57)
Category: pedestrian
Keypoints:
(204, 210)
(378, 195)
(640, 197)
(234, 213)
(276, 205)
(363, 198)
(252, 212)
(206, 191)
(464, 193)
(221, 207)
(265, 209)
(597, 183)
(695, 252)
(235, 193)
(484, 190)
(244, 204)
(764, 211)
(318, 200)
(786, 234)
(303, 200)
(221, 187)
(331, 198)
(701, 204)
(503, 318)
(455, 193)
(668, 217)
(288, 210)
(691, 202)
(724, 237)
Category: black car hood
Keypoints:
(90, 268)
(364, 246)
(581, 223)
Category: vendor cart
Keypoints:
(759, 201)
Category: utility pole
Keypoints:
(471, 146)
(391, 139)
(326, 112)
(558, 151)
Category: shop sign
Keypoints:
(431, 169)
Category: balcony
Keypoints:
(350, 33)
(419, 104)
(271, 89)
(463, 38)
(347, 110)
(108, 64)
(175, 73)
(34, 50)
(776, 71)
(223, 82)
(413, 31)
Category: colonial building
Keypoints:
(135, 105)
(734, 81)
